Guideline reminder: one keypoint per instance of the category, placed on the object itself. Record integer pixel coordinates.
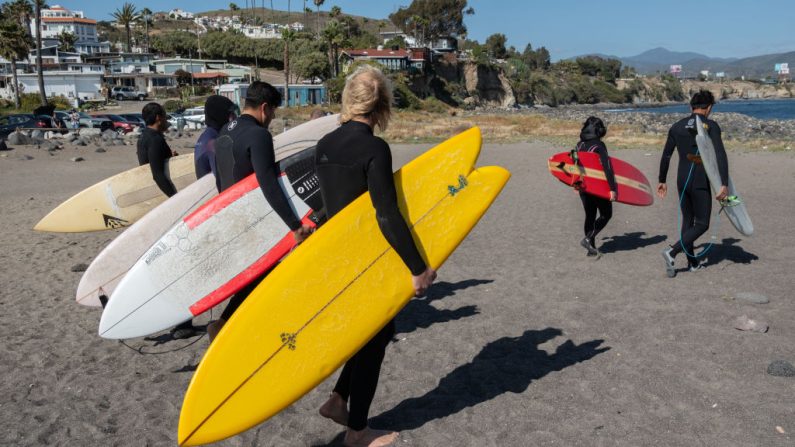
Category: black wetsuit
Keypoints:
(153, 149)
(691, 180)
(349, 162)
(245, 147)
(591, 203)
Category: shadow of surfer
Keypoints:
(508, 364)
(169, 336)
(728, 250)
(629, 242)
(419, 313)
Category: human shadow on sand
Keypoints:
(508, 364)
(629, 241)
(728, 250)
(420, 313)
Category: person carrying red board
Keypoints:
(598, 211)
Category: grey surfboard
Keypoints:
(737, 214)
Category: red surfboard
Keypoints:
(588, 175)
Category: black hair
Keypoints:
(592, 129)
(702, 99)
(151, 111)
(260, 93)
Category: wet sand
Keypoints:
(523, 341)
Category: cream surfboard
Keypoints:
(734, 207)
(332, 294)
(109, 267)
(117, 201)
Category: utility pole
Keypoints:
(192, 87)
(286, 37)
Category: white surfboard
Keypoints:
(110, 266)
(210, 255)
(737, 212)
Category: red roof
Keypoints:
(210, 75)
(68, 20)
(381, 54)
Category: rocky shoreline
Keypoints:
(735, 126)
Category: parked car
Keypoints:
(10, 123)
(120, 124)
(176, 120)
(95, 122)
(122, 93)
(134, 118)
(194, 118)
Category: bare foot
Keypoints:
(336, 409)
(214, 328)
(370, 438)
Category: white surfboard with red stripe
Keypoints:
(210, 254)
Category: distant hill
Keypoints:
(660, 59)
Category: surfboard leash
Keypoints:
(680, 220)
(140, 349)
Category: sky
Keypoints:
(727, 28)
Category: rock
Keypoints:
(37, 135)
(77, 159)
(79, 267)
(3, 146)
(81, 142)
(71, 137)
(752, 297)
(744, 323)
(89, 131)
(100, 150)
(19, 138)
(781, 368)
(25, 157)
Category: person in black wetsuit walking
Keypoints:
(244, 147)
(691, 180)
(349, 162)
(153, 149)
(593, 130)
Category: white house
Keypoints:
(57, 20)
(180, 14)
(69, 84)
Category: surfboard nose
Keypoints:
(117, 320)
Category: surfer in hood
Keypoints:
(598, 211)
(218, 110)
(691, 180)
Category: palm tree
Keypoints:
(22, 11)
(335, 36)
(318, 4)
(233, 7)
(146, 16)
(42, 93)
(126, 16)
(287, 36)
(335, 12)
(66, 41)
(15, 45)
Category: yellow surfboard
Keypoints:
(332, 294)
(117, 201)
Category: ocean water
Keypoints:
(772, 109)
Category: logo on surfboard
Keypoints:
(114, 222)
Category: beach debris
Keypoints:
(77, 159)
(100, 150)
(744, 323)
(780, 430)
(752, 297)
(781, 368)
(79, 267)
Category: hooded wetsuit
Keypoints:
(691, 179)
(153, 149)
(349, 162)
(217, 111)
(591, 203)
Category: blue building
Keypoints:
(300, 94)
